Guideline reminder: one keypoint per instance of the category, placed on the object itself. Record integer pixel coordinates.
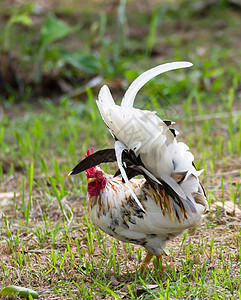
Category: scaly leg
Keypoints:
(164, 266)
(145, 262)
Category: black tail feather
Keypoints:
(101, 156)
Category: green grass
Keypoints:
(46, 239)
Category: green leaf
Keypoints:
(22, 19)
(131, 74)
(55, 29)
(22, 292)
(113, 293)
(85, 62)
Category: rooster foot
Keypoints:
(165, 267)
(144, 265)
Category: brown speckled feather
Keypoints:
(116, 212)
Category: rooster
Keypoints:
(169, 198)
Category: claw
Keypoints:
(165, 266)
(146, 261)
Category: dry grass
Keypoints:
(46, 240)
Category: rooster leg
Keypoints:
(145, 262)
(164, 266)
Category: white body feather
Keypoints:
(115, 212)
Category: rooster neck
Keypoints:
(106, 201)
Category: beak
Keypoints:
(91, 180)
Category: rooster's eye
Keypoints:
(99, 173)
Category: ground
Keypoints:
(48, 119)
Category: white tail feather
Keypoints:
(148, 136)
(138, 83)
(105, 96)
(119, 148)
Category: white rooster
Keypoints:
(169, 199)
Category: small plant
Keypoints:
(47, 241)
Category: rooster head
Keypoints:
(96, 179)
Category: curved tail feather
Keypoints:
(139, 82)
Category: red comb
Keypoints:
(90, 172)
(88, 152)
